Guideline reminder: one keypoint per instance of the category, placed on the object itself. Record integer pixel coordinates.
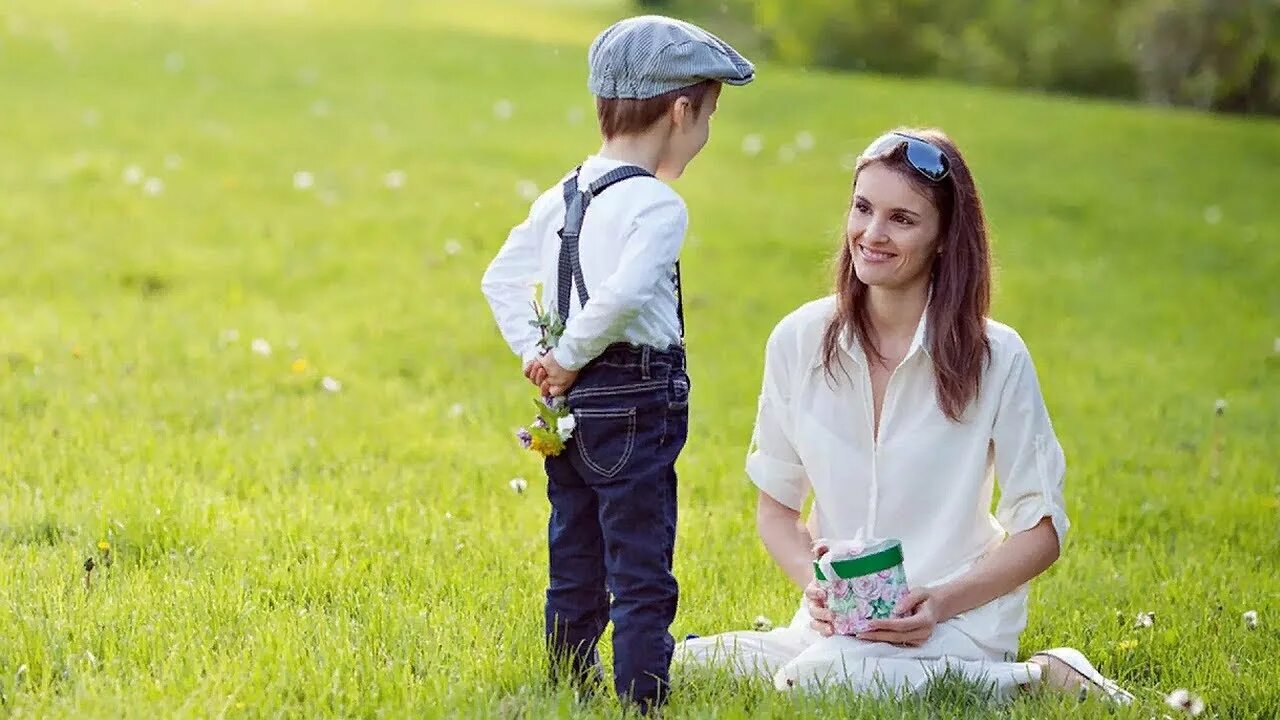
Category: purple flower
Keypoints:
(525, 438)
(540, 424)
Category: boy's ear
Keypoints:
(682, 113)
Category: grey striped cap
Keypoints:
(645, 56)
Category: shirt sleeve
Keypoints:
(650, 248)
(772, 462)
(508, 281)
(1030, 464)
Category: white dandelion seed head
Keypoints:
(452, 247)
(518, 484)
(459, 547)
(329, 384)
(1220, 406)
(172, 161)
(394, 180)
(1145, 620)
(457, 410)
(303, 180)
(805, 141)
(153, 186)
(448, 516)
(762, 624)
(504, 109)
(527, 189)
(1186, 701)
(174, 63)
(1251, 619)
(1213, 215)
(133, 175)
(752, 145)
(260, 347)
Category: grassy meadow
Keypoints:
(242, 343)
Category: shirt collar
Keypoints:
(919, 341)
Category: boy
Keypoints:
(609, 259)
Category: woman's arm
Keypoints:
(1014, 562)
(786, 538)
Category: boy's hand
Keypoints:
(535, 373)
(558, 380)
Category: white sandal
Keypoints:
(1076, 660)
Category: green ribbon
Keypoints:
(884, 558)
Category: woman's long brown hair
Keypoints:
(961, 281)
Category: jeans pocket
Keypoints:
(606, 438)
(678, 397)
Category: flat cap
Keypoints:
(649, 55)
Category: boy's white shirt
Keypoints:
(630, 240)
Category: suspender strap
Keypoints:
(575, 210)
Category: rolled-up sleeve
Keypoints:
(772, 462)
(1030, 464)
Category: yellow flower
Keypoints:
(545, 447)
(77, 352)
(1126, 645)
(104, 546)
(299, 366)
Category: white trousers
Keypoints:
(798, 657)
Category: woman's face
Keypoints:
(893, 229)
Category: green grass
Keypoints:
(279, 551)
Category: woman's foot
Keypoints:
(1068, 669)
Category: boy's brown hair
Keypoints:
(629, 116)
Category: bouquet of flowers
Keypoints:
(553, 424)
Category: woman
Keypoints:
(897, 403)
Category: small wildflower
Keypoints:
(1185, 701)
(762, 624)
(1126, 645)
(133, 175)
(526, 440)
(805, 141)
(77, 352)
(299, 366)
(303, 180)
(1251, 619)
(261, 347)
(519, 485)
(456, 410)
(565, 427)
(394, 180)
(503, 109)
(330, 384)
(452, 247)
(752, 145)
(104, 546)
(527, 189)
(1219, 407)
(1145, 620)
(153, 186)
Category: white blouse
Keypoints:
(927, 480)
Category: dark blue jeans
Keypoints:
(613, 520)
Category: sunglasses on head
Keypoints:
(927, 158)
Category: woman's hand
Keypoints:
(915, 617)
(822, 620)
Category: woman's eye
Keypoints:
(900, 218)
